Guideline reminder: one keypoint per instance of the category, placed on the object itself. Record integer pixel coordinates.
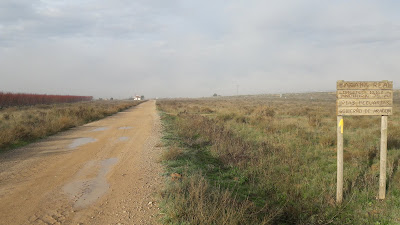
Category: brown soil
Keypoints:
(105, 172)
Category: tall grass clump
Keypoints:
(275, 160)
(195, 201)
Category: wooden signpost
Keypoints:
(363, 98)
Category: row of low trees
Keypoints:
(17, 99)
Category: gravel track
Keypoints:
(105, 172)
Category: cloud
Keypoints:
(186, 48)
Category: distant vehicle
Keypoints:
(137, 98)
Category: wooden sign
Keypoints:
(364, 94)
(358, 98)
(365, 102)
(364, 111)
(364, 85)
(363, 98)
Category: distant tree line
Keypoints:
(20, 99)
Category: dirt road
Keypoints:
(105, 172)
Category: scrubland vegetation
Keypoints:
(271, 160)
(21, 125)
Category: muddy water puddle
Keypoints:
(123, 138)
(99, 129)
(81, 141)
(85, 191)
(125, 128)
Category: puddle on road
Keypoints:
(125, 128)
(86, 191)
(81, 141)
(123, 138)
(99, 129)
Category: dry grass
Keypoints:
(172, 153)
(21, 125)
(196, 202)
(279, 155)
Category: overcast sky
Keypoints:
(184, 48)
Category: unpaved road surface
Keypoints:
(105, 172)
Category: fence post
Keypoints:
(382, 163)
(339, 188)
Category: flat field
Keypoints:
(269, 159)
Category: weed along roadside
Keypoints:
(22, 125)
(272, 160)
